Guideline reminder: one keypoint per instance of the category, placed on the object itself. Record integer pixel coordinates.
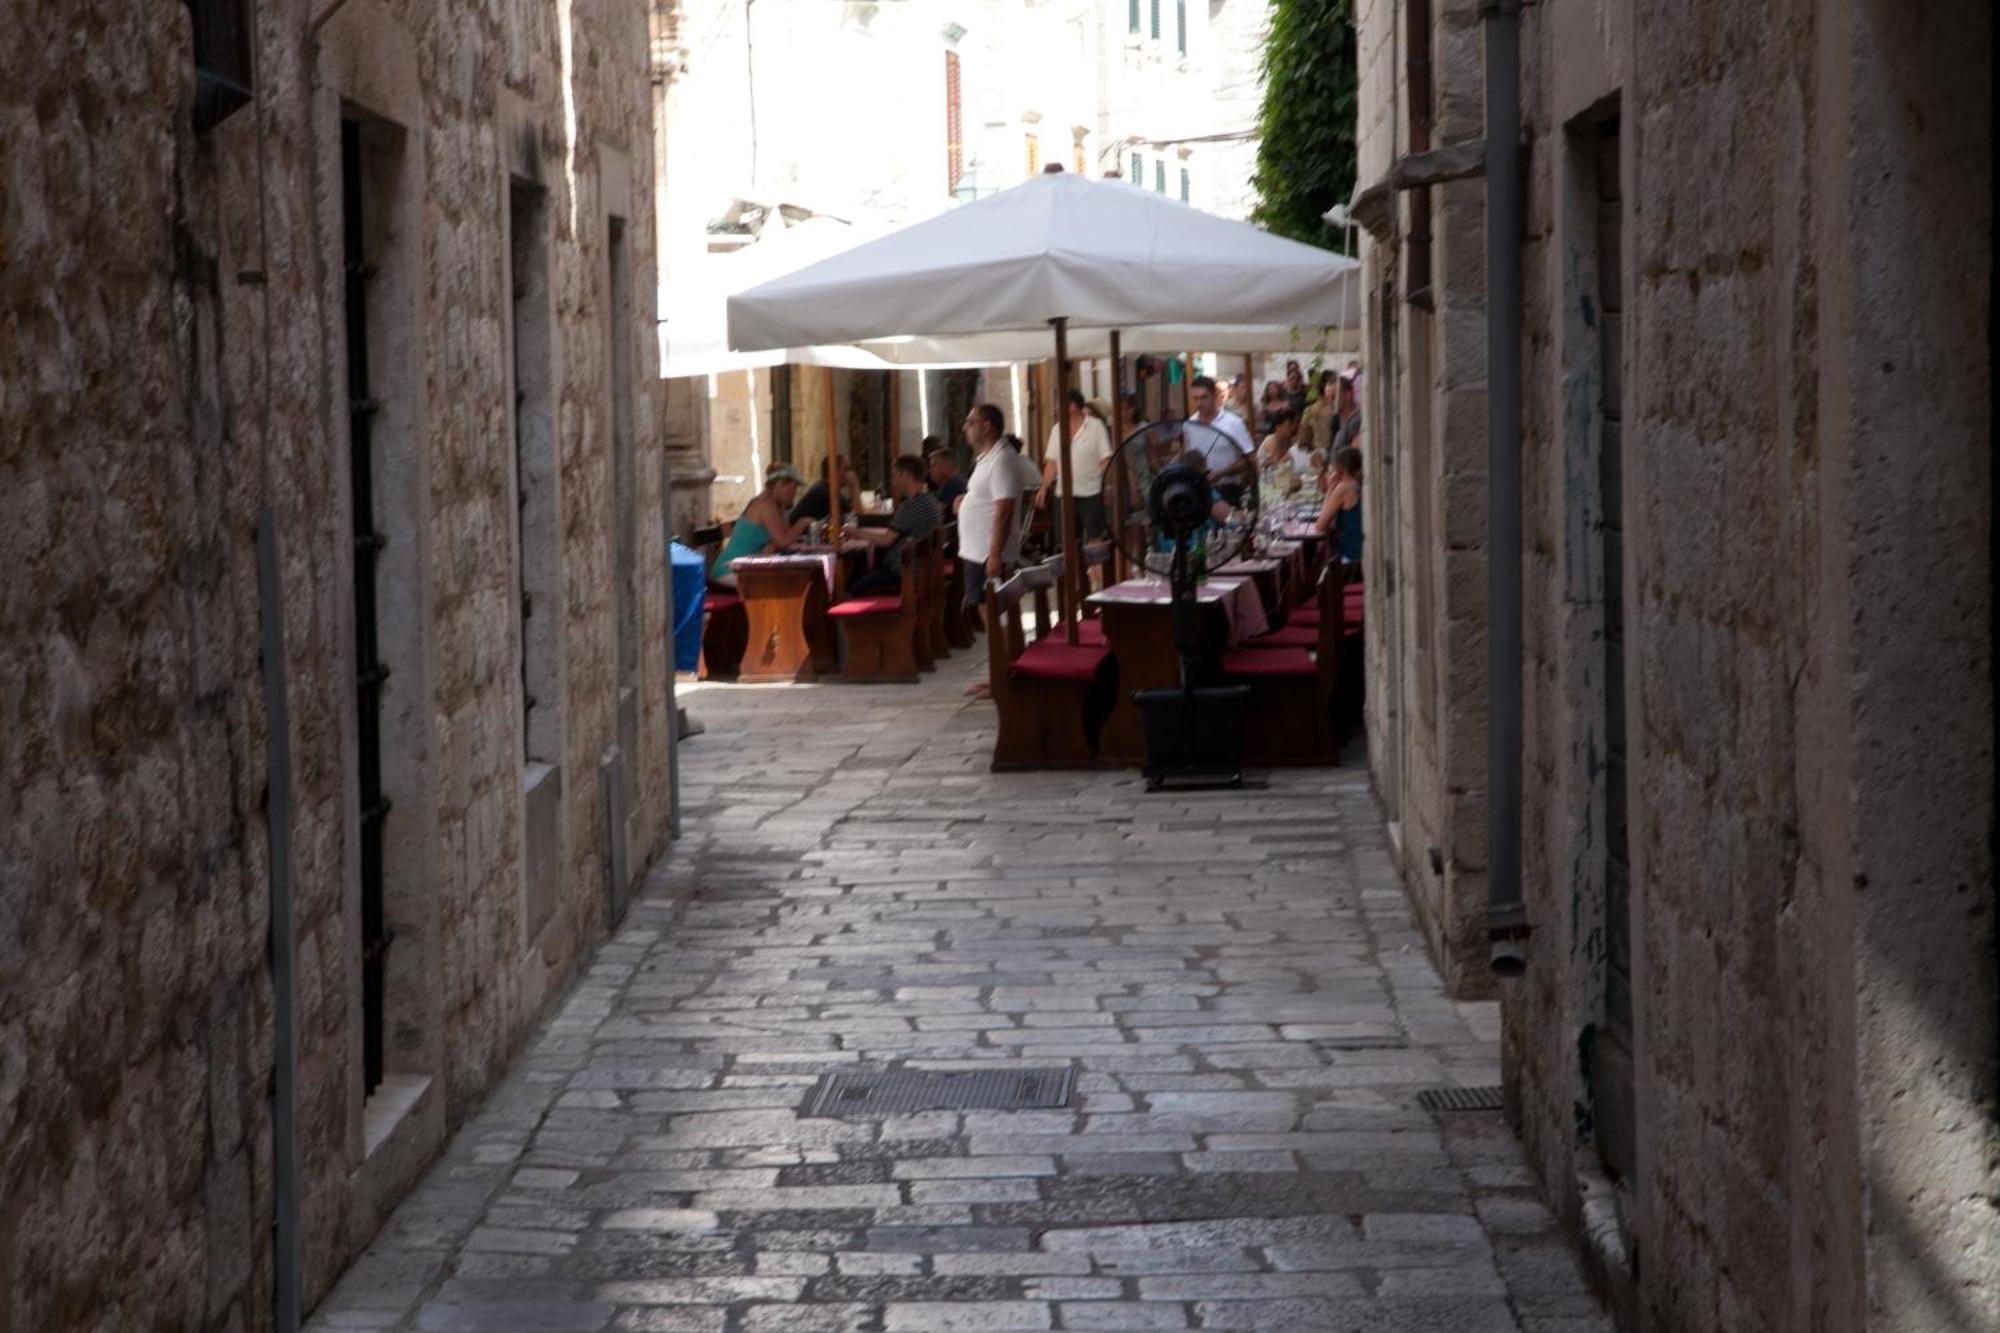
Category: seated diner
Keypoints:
(1340, 516)
(917, 516)
(765, 525)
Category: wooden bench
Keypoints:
(883, 632)
(1052, 696)
(1295, 677)
(725, 627)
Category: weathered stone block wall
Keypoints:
(164, 297)
(134, 1002)
(1423, 502)
(1808, 527)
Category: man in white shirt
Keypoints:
(986, 513)
(1089, 452)
(1221, 454)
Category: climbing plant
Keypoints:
(1305, 151)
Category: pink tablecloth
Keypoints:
(823, 562)
(1238, 597)
(818, 557)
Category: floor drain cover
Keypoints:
(895, 1092)
(1460, 1099)
(1362, 1043)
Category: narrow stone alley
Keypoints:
(1233, 978)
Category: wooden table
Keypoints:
(1139, 626)
(1270, 577)
(785, 597)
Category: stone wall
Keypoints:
(1425, 492)
(1806, 1104)
(174, 361)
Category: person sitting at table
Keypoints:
(1274, 457)
(817, 503)
(1295, 387)
(1089, 455)
(1341, 514)
(1272, 403)
(917, 516)
(1321, 420)
(764, 526)
(1225, 450)
(946, 485)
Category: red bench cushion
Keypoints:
(720, 601)
(1270, 662)
(1303, 615)
(868, 606)
(1052, 659)
(1292, 636)
(1091, 632)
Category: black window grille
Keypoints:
(223, 68)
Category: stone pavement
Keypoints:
(1233, 976)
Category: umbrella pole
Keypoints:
(1072, 564)
(1117, 484)
(833, 494)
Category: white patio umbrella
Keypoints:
(694, 304)
(1060, 252)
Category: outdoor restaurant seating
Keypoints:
(882, 632)
(1298, 713)
(1052, 696)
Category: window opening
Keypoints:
(370, 673)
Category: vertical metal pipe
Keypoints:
(1506, 917)
(278, 850)
(1116, 485)
(1072, 558)
(833, 492)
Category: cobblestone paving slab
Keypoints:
(1233, 977)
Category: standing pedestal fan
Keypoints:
(1190, 523)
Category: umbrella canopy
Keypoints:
(1101, 254)
(1022, 345)
(693, 320)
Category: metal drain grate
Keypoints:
(1460, 1099)
(895, 1092)
(1362, 1043)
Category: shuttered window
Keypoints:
(1160, 175)
(1156, 20)
(1034, 154)
(1180, 26)
(1187, 185)
(1138, 169)
(1132, 17)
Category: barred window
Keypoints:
(221, 58)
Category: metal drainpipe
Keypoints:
(1506, 916)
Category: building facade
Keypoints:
(1753, 1055)
(363, 286)
(940, 103)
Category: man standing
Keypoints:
(1089, 454)
(986, 513)
(917, 516)
(1235, 445)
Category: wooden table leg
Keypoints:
(1142, 638)
(789, 638)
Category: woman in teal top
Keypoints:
(764, 525)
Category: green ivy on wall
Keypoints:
(1305, 155)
